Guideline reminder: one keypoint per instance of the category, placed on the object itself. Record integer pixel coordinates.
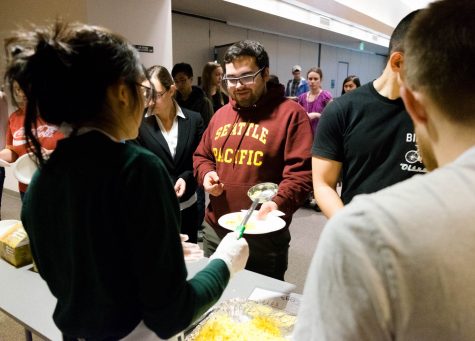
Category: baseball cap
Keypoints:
(296, 68)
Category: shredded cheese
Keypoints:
(222, 328)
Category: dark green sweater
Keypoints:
(103, 220)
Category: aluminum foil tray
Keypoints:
(244, 320)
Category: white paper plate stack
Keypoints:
(23, 168)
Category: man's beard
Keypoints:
(247, 101)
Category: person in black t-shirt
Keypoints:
(367, 136)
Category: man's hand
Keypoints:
(266, 207)
(8, 155)
(46, 152)
(212, 185)
(180, 187)
(314, 115)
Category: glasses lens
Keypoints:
(232, 81)
(244, 80)
(160, 94)
(247, 79)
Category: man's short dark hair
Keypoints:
(439, 57)
(247, 48)
(397, 37)
(184, 68)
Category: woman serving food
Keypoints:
(101, 215)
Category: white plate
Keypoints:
(4, 163)
(231, 221)
(275, 213)
(24, 168)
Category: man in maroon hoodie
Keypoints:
(259, 136)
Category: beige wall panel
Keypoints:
(309, 53)
(271, 44)
(191, 43)
(144, 22)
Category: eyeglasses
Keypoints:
(147, 92)
(160, 94)
(244, 80)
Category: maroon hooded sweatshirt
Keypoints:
(268, 142)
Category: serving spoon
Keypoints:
(259, 193)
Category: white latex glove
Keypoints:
(233, 252)
(191, 252)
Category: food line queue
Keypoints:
(288, 145)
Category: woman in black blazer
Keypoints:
(173, 133)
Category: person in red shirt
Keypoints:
(15, 145)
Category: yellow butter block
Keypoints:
(15, 246)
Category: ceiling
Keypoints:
(387, 12)
(243, 16)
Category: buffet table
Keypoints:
(25, 297)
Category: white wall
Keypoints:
(367, 66)
(192, 35)
(144, 22)
(195, 38)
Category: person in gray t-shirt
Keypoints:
(398, 264)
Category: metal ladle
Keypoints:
(264, 191)
(259, 193)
